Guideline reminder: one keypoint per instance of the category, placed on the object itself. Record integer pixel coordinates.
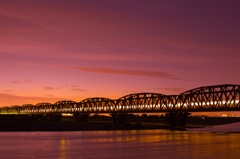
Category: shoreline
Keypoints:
(71, 126)
(103, 123)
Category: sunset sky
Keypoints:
(53, 50)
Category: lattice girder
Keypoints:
(208, 98)
(218, 97)
(95, 105)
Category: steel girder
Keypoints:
(96, 105)
(66, 106)
(43, 107)
(212, 98)
(144, 102)
(26, 108)
(9, 109)
(208, 98)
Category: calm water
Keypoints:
(151, 144)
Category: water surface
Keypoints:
(152, 144)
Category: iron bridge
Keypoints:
(224, 97)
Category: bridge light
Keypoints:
(67, 114)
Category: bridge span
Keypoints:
(224, 97)
(208, 98)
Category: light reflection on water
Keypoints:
(119, 144)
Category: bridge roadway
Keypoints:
(224, 97)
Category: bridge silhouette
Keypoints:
(209, 98)
(225, 97)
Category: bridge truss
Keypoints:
(208, 98)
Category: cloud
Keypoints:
(51, 88)
(70, 87)
(75, 88)
(16, 82)
(20, 82)
(49, 95)
(78, 90)
(157, 74)
(27, 81)
(175, 90)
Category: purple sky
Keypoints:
(76, 49)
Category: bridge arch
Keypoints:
(43, 104)
(213, 88)
(97, 104)
(10, 109)
(43, 107)
(64, 106)
(25, 108)
(216, 97)
(225, 97)
(145, 102)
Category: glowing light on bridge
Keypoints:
(221, 97)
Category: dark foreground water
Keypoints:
(151, 144)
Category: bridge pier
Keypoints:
(119, 118)
(81, 117)
(177, 120)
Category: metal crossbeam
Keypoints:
(208, 98)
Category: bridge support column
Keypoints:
(119, 118)
(177, 120)
(81, 117)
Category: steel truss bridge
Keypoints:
(208, 98)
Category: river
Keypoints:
(134, 144)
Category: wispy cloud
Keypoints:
(27, 81)
(69, 87)
(51, 88)
(15, 82)
(75, 88)
(175, 90)
(7, 90)
(158, 74)
(78, 90)
(21, 81)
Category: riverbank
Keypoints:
(226, 128)
(72, 126)
(104, 123)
